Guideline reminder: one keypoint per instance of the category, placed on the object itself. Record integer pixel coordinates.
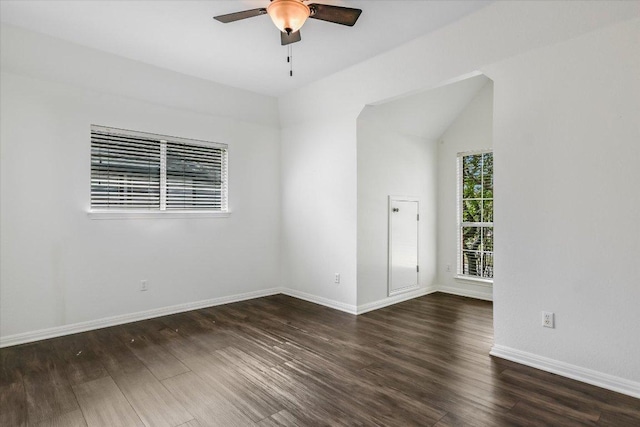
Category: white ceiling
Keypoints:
(182, 36)
(427, 114)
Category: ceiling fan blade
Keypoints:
(236, 16)
(286, 39)
(336, 14)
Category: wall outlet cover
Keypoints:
(548, 319)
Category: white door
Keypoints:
(403, 244)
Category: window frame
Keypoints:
(460, 224)
(162, 211)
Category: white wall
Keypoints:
(591, 289)
(472, 130)
(392, 163)
(567, 147)
(58, 266)
(319, 198)
(36, 55)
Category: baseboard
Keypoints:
(578, 373)
(90, 325)
(364, 308)
(75, 328)
(463, 292)
(348, 308)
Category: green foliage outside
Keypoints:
(477, 208)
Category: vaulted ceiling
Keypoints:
(182, 36)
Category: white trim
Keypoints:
(90, 325)
(463, 292)
(474, 152)
(133, 214)
(375, 305)
(475, 280)
(403, 290)
(599, 379)
(337, 305)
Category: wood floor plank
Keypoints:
(113, 353)
(541, 394)
(103, 404)
(47, 388)
(281, 419)
(151, 400)
(208, 406)
(13, 398)
(249, 396)
(155, 357)
(528, 414)
(69, 419)
(13, 404)
(81, 364)
(616, 419)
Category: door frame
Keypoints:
(391, 199)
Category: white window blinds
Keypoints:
(125, 171)
(196, 177)
(136, 170)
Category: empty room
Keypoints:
(332, 213)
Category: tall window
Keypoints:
(475, 213)
(136, 170)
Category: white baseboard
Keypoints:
(578, 373)
(364, 308)
(348, 308)
(464, 292)
(90, 325)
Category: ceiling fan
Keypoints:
(290, 15)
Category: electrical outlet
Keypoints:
(449, 267)
(547, 319)
(144, 285)
(337, 278)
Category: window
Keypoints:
(475, 215)
(141, 171)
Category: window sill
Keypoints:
(475, 280)
(112, 214)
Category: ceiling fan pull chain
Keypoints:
(291, 62)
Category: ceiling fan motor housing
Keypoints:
(288, 15)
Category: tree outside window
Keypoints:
(476, 215)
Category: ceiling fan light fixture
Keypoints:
(288, 15)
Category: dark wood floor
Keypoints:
(279, 361)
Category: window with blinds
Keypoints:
(140, 171)
(475, 215)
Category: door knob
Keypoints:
(396, 210)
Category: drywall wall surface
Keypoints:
(392, 163)
(566, 144)
(319, 210)
(60, 267)
(496, 32)
(40, 56)
(472, 130)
